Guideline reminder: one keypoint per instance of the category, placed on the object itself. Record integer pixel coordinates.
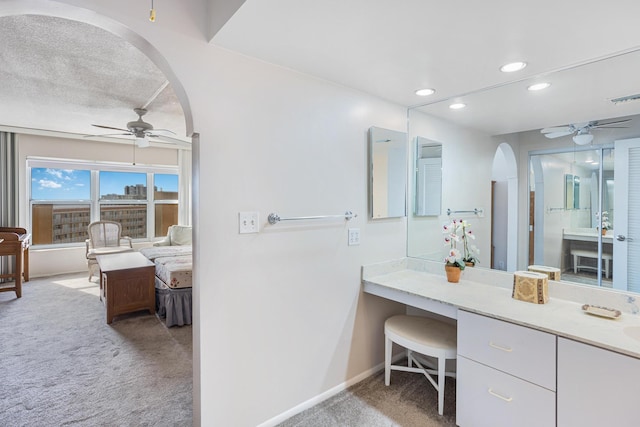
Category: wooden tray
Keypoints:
(597, 310)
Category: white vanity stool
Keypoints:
(427, 337)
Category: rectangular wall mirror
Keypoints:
(387, 173)
(428, 177)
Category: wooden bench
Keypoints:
(582, 253)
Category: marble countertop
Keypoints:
(561, 317)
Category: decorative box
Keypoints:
(531, 287)
(552, 272)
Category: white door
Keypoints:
(626, 219)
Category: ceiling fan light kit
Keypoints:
(583, 138)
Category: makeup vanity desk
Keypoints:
(521, 363)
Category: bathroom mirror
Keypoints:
(571, 191)
(428, 177)
(512, 116)
(387, 173)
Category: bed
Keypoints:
(173, 282)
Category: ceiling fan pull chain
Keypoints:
(152, 13)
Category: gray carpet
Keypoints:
(62, 365)
(409, 401)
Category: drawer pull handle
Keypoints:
(506, 399)
(507, 349)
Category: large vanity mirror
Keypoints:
(536, 197)
(387, 173)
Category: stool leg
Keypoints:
(388, 345)
(441, 380)
(575, 264)
(606, 268)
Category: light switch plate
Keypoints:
(354, 236)
(249, 222)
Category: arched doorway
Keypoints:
(504, 210)
(60, 10)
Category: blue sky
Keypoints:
(74, 184)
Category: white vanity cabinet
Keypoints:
(596, 387)
(506, 374)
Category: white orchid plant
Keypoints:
(459, 232)
(606, 225)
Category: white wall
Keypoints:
(467, 159)
(279, 315)
(285, 305)
(45, 262)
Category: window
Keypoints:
(66, 196)
(165, 196)
(120, 196)
(61, 205)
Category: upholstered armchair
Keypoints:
(104, 239)
(177, 235)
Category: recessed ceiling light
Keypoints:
(425, 92)
(539, 86)
(457, 106)
(513, 66)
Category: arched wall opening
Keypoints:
(505, 209)
(70, 12)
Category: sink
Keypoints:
(633, 332)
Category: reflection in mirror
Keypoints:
(387, 172)
(509, 115)
(569, 236)
(571, 191)
(428, 177)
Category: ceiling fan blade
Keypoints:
(610, 127)
(107, 134)
(558, 129)
(170, 140)
(161, 131)
(558, 134)
(597, 125)
(109, 127)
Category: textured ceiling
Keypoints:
(64, 75)
(58, 74)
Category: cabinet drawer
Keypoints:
(488, 397)
(516, 350)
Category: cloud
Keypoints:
(45, 183)
(55, 172)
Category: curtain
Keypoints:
(8, 189)
(184, 193)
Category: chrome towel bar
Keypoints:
(274, 218)
(474, 211)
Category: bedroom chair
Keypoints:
(104, 239)
(177, 235)
(427, 337)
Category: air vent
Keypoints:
(626, 99)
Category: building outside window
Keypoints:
(67, 196)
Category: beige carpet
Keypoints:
(62, 365)
(409, 401)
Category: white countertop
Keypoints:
(561, 317)
(587, 236)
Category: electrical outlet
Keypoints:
(354, 236)
(249, 222)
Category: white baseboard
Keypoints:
(327, 394)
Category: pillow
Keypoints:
(180, 235)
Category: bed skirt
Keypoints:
(174, 305)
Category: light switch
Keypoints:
(249, 222)
(354, 236)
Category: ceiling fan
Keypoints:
(581, 131)
(142, 131)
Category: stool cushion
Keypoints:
(424, 331)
